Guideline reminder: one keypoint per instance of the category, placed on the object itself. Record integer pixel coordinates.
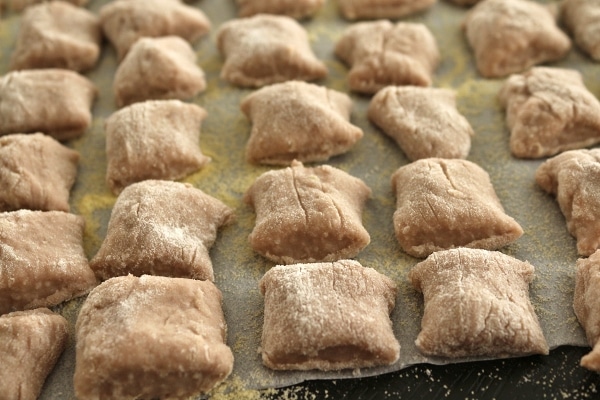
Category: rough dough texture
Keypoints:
(297, 9)
(327, 316)
(158, 68)
(56, 102)
(476, 304)
(298, 121)
(161, 228)
(19, 5)
(42, 262)
(308, 214)
(153, 140)
(266, 49)
(36, 172)
(30, 344)
(447, 203)
(582, 19)
(586, 304)
(423, 121)
(509, 36)
(151, 337)
(57, 35)
(125, 21)
(388, 9)
(573, 177)
(381, 54)
(549, 110)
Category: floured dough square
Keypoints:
(327, 316)
(266, 49)
(161, 228)
(381, 53)
(125, 21)
(573, 177)
(586, 304)
(30, 343)
(56, 102)
(476, 304)
(57, 34)
(549, 110)
(424, 122)
(36, 172)
(151, 337)
(42, 262)
(509, 36)
(158, 68)
(384, 9)
(298, 121)
(308, 214)
(582, 19)
(297, 9)
(447, 203)
(153, 140)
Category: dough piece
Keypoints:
(57, 35)
(509, 36)
(158, 68)
(36, 172)
(447, 203)
(476, 304)
(153, 140)
(151, 337)
(42, 262)
(549, 110)
(266, 49)
(382, 54)
(161, 228)
(56, 102)
(586, 303)
(582, 19)
(297, 9)
(389, 9)
(19, 5)
(30, 344)
(327, 316)
(298, 120)
(573, 177)
(126, 21)
(308, 214)
(423, 121)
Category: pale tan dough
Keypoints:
(509, 36)
(447, 203)
(19, 5)
(574, 177)
(125, 21)
(57, 34)
(56, 102)
(549, 110)
(424, 122)
(30, 344)
(586, 304)
(266, 49)
(327, 316)
(157, 139)
(298, 121)
(298, 9)
(151, 337)
(158, 69)
(582, 19)
(42, 262)
(476, 304)
(36, 172)
(381, 53)
(308, 214)
(161, 228)
(389, 9)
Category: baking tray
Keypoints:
(546, 244)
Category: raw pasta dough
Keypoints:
(374, 9)
(586, 304)
(582, 18)
(292, 8)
